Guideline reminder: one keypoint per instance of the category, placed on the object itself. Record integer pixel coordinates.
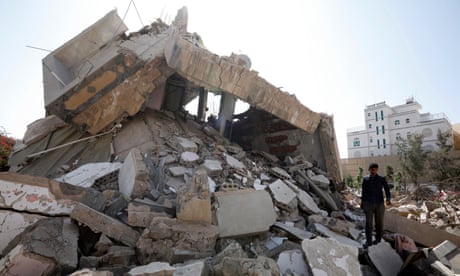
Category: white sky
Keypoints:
(335, 56)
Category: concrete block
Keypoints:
(187, 158)
(292, 261)
(133, 176)
(280, 173)
(244, 212)
(152, 269)
(337, 225)
(88, 272)
(12, 224)
(99, 222)
(213, 167)
(87, 174)
(177, 171)
(194, 204)
(165, 239)
(323, 230)
(233, 162)
(54, 239)
(294, 231)
(196, 268)
(141, 215)
(385, 259)
(282, 193)
(327, 256)
(184, 144)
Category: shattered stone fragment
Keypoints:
(42, 127)
(244, 212)
(321, 181)
(141, 215)
(306, 203)
(100, 222)
(336, 225)
(133, 177)
(169, 239)
(187, 158)
(89, 272)
(213, 167)
(194, 203)
(326, 256)
(280, 173)
(49, 245)
(177, 171)
(246, 266)
(292, 261)
(385, 259)
(184, 144)
(323, 230)
(233, 162)
(152, 269)
(283, 195)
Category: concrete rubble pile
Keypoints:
(119, 179)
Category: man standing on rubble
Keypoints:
(373, 204)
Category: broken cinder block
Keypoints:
(133, 176)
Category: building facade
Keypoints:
(384, 125)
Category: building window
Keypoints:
(376, 116)
(356, 142)
(378, 143)
(398, 136)
(397, 122)
(371, 140)
(407, 120)
(384, 144)
(370, 125)
(383, 129)
(372, 154)
(368, 114)
(409, 135)
(381, 114)
(377, 130)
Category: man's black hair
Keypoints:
(373, 166)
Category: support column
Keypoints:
(227, 107)
(202, 104)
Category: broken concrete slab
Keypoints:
(42, 127)
(321, 181)
(194, 204)
(233, 250)
(88, 272)
(99, 222)
(294, 231)
(292, 261)
(340, 226)
(213, 167)
(246, 266)
(326, 256)
(423, 234)
(52, 240)
(87, 175)
(307, 203)
(385, 259)
(449, 254)
(152, 269)
(325, 196)
(37, 195)
(194, 268)
(177, 171)
(141, 215)
(133, 176)
(323, 230)
(12, 224)
(175, 241)
(20, 262)
(283, 195)
(278, 172)
(233, 162)
(187, 158)
(244, 212)
(184, 144)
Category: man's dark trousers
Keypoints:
(374, 210)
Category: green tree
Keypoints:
(359, 177)
(440, 162)
(389, 172)
(412, 158)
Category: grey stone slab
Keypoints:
(213, 167)
(281, 192)
(184, 144)
(188, 157)
(280, 173)
(244, 212)
(385, 259)
(154, 268)
(86, 175)
(333, 235)
(133, 176)
(233, 162)
(327, 256)
(296, 232)
(292, 261)
(320, 180)
(307, 203)
(177, 171)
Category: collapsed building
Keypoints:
(119, 179)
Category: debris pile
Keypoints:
(120, 180)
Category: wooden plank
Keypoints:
(424, 234)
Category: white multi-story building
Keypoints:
(385, 124)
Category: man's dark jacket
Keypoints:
(372, 189)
